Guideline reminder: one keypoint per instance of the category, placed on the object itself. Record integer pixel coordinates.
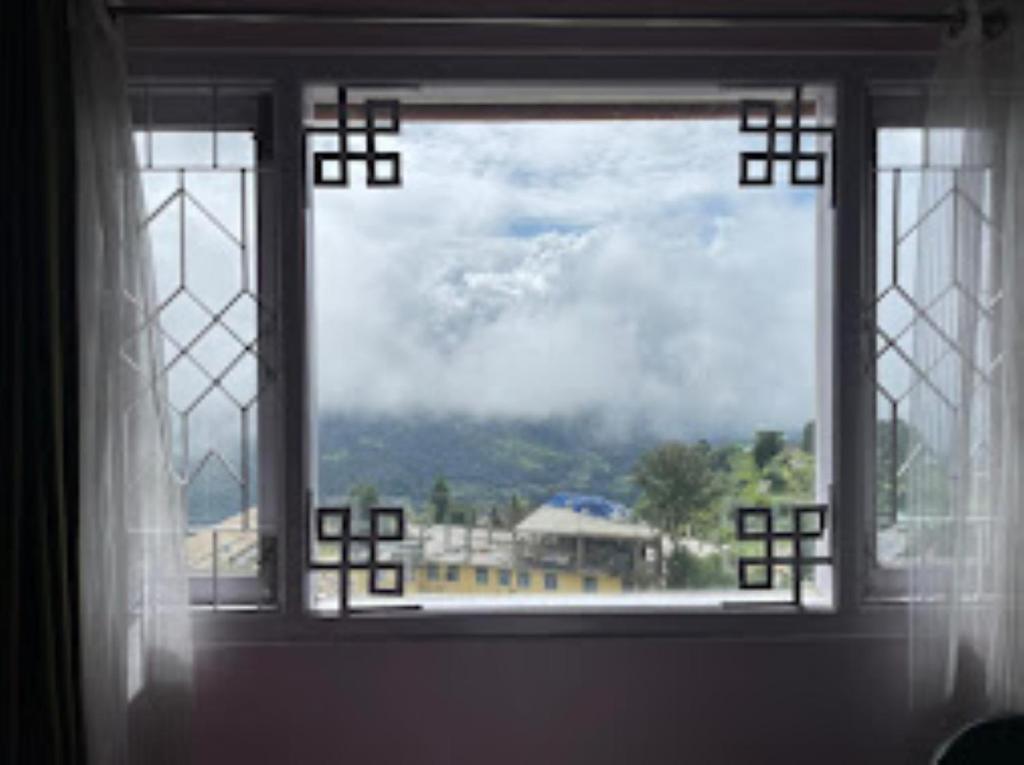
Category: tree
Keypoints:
(722, 458)
(441, 499)
(515, 512)
(687, 570)
(807, 437)
(767, 443)
(895, 440)
(677, 486)
(462, 513)
(363, 496)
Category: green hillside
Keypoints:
(484, 462)
(506, 464)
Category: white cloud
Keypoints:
(538, 270)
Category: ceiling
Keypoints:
(554, 7)
(294, 35)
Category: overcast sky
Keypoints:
(525, 271)
(536, 270)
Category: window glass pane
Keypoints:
(570, 348)
(928, 320)
(201, 222)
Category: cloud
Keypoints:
(545, 270)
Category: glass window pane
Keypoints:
(933, 327)
(570, 348)
(200, 218)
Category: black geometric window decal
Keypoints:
(784, 142)
(757, 524)
(383, 168)
(361, 552)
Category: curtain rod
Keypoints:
(954, 20)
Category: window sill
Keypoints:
(757, 623)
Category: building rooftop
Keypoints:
(439, 544)
(562, 521)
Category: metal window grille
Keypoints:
(338, 548)
(931, 338)
(785, 134)
(379, 117)
(784, 545)
(199, 166)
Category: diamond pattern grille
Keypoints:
(934, 323)
(211, 319)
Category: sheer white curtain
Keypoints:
(136, 632)
(965, 491)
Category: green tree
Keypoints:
(723, 457)
(807, 437)
(440, 498)
(686, 570)
(894, 442)
(462, 512)
(363, 496)
(515, 512)
(677, 487)
(767, 443)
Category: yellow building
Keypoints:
(553, 551)
(469, 579)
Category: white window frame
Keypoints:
(286, 433)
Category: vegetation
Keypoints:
(893, 447)
(462, 470)
(450, 471)
(807, 437)
(364, 496)
(484, 463)
(687, 570)
(767, 443)
(440, 500)
(677, 488)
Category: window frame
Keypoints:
(899, 105)
(292, 469)
(209, 591)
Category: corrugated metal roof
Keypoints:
(561, 521)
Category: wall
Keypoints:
(826, 701)
(822, 700)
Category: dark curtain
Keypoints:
(40, 709)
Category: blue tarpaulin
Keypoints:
(598, 507)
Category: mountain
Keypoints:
(484, 462)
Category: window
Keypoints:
(917, 352)
(202, 173)
(897, 182)
(567, 281)
(558, 309)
